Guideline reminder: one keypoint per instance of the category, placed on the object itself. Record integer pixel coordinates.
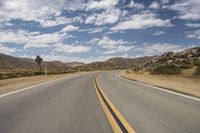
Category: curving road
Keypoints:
(150, 110)
(71, 105)
(67, 105)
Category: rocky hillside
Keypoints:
(9, 63)
(184, 59)
(74, 64)
(115, 63)
(26, 64)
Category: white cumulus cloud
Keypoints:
(7, 50)
(66, 48)
(70, 28)
(142, 21)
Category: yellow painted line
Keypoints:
(115, 126)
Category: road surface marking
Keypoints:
(30, 87)
(117, 121)
(159, 88)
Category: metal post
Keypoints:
(46, 71)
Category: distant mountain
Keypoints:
(14, 63)
(56, 66)
(115, 63)
(26, 64)
(74, 64)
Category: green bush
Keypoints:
(1, 75)
(167, 69)
(186, 66)
(39, 73)
(197, 64)
(197, 73)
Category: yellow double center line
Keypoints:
(116, 120)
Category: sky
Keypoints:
(96, 30)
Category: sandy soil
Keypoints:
(9, 85)
(184, 83)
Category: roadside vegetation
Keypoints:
(167, 70)
(17, 74)
(197, 73)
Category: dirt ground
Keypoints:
(8, 85)
(184, 83)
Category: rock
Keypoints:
(196, 51)
(190, 59)
(154, 60)
(179, 60)
(198, 58)
(185, 59)
(170, 61)
(168, 54)
(189, 55)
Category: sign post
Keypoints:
(46, 71)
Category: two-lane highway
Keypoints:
(149, 110)
(67, 105)
(72, 105)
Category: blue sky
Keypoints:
(88, 30)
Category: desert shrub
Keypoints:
(167, 69)
(197, 64)
(186, 66)
(1, 75)
(39, 73)
(197, 73)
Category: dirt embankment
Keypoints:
(184, 83)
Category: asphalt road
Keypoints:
(149, 110)
(71, 105)
(68, 105)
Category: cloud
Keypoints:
(106, 17)
(187, 9)
(93, 41)
(106, 42)
(66, 48)
(193, 25)
(29, 10)
(47, 12)
(118, 49)
(55, 22)
(164, 1)
(103, 4)
(194, 34)
(95, 30)
(135, 5)
(7, 50)
(154, 5)
(159, 48)
(142, 21)
(157, 33)
(113, 46)
(31, 39)
(69, 28)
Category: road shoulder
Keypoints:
(176, 84)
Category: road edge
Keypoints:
(162, 88)
(32, 86)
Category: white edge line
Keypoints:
(29, 87)
(162, 89)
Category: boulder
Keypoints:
(170, 61)
(168, 54)
(196, 51)
(179, 60)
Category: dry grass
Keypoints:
(9, 85)
(185, 82)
